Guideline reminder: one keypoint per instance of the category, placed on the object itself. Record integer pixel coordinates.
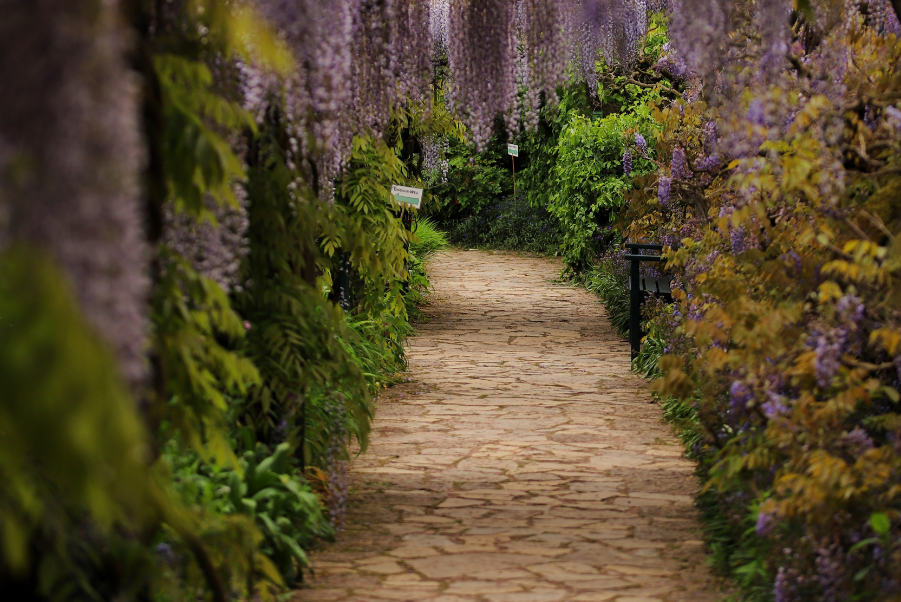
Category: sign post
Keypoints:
(406, 195)
(513, 151)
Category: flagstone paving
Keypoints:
(523, 463)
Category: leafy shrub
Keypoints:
(427, 240)
(509, 224)
(265, 487)
(590, 182)
(78, 451)
(474, 180)
(783, 349)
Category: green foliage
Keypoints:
(85, 503)
(652, 349)
(192, 315)
(269, 490)
(72, 445)
(536, 177)
(379, 355)
(294, 336)
(785, 341)
(509, 224)
(428, 240)
(198, 160)
(590, 185)
(473, 181)
(368, 226)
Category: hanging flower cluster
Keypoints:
(434, 159)
(70, 151)
(359, 58)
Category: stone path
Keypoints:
(524, 463)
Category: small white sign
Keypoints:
(513, 149)
(407, 195)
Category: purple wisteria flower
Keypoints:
(831, 572)
(757, 112)
(709, 162)
(711, 136)
(679, 165)
(765, 524)
(776, 405)
(627, 162)
(740, 395)
(165, 553)
(663, 190)
(851, 308)
(784, 589)
(641, 144)
(858, 441)
(828, 347)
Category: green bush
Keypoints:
(509, 223)
(267, 487)
(428, 240)
(590, 184)
(474, 180)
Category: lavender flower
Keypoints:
(773, 20)
(699, 29)
(711, 136)
(671, 65)
(757, 112)
(828, 348)
(709, 163)
(641, 144)
(830, 564)
(482, 57)
(338, 485)
(851, 309)
(858, 441)
(74, 119)
(893, 115)
(165, 553)
(679, 165)
(663, 190)
(215, 250)
(765, 524)
(741, 240)
(435, 164)
(740, 395)
(775, 406)
(784, 589)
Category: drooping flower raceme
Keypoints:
(641, 144)
(72, 125)
(663, 190)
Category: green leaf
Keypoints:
(880, 523)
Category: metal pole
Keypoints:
(513, 158)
